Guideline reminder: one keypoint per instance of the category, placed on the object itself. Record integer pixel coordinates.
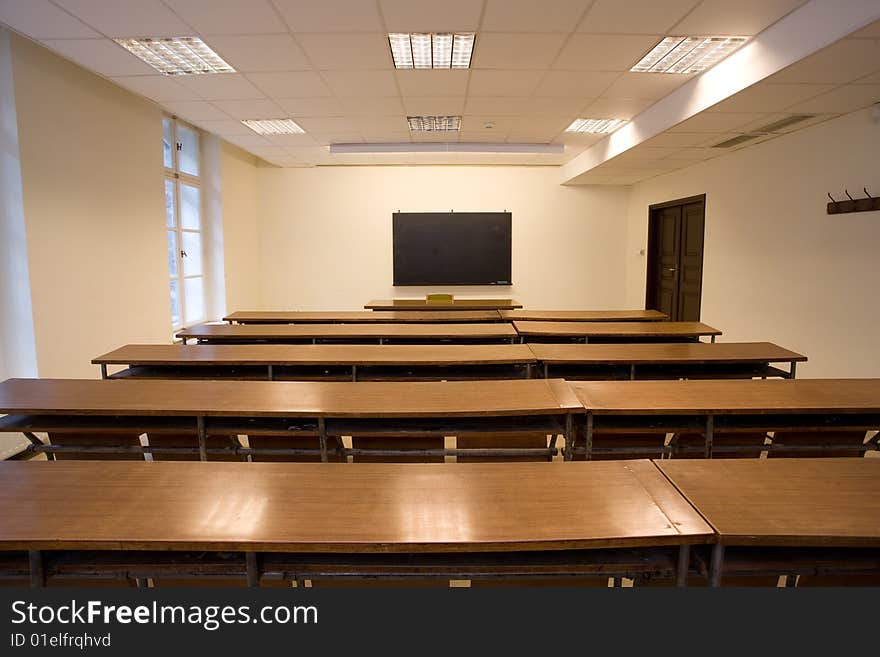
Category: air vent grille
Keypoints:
(784, 123)
(735, 141)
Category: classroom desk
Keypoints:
(791, 516)
(747, 406)
(665, 361)
(294, 408)
(455, 304)
(584, 315)
(360, 317)
(486, 332)
(614, 331)
(343, 362)
(294, 521)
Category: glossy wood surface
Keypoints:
(616, 329)
(801, 502)
(662, 353)
(496, 330)
(753, 396)
(360, 316)
(455, 304)
(338, 507)
(584, 315)
(320, 354)
(400, 399)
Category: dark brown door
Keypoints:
(675, 258)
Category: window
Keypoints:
(183, 221)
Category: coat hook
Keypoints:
(831, 197)
(846, 191)
(867, 193)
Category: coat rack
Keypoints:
(866, 204)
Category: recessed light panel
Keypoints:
(274, 126)
(595, 125)
(176, 55)
(434, 123)
(679, 54)
(428, 50)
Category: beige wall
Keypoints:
(91, 166)
(241, 238)
(777, 267)
(325, 233)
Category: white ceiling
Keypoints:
(536, 67)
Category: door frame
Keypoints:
(651, 282)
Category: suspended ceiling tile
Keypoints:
(431, 16)
(842, 100)
(604, 52)
(531, 16)
(378, 107)
(347, 52)
(740, 18)
(100, 55)
(127, 18)
(196, 110)
(157, 87)
(223, 86)
(330, 15)
(514, 51)
(652, 86)
(616, 108)
(575, 84)
(503, 82)
(229, 16)
(251, 109)
(311, 106)
(764, 97)
(635, 16)
(839, 63)
(266, 52)
(39, 19)
(299, 84)
(367, 84)
(432, 82)
(434, 105)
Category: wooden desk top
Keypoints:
(801, 502)
(585, 315)
(749, 396)
(489, 330)
(392, 399)
(360, 316)
(616, 329)
(317, 354)
(455, 304)
(324, 507)
(661, 353)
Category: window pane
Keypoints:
(169, 203)
(175, 304)
(194, 289)
(190, 207)
(168, 143)
(192, 247)
(188, 155)
(172, 253)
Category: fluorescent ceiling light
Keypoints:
(446, 147)
(434, 123)
(274, 126)
(595, 125)
(427, 50)
(176, 55)
(679, 54)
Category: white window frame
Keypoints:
(178, 177)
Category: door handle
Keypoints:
(670, 269)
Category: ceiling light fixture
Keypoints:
(682, 54)
(428, 50)
(176, 55)
(274, 126)
(595, 125)
(434, 123)
(446, 147)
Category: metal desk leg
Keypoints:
(713, 338)
(322, 439)
(38, 572)
(354, 372)
(588, 444)
(203, 438)
(569, 435)
(684, 562)
(793, 370)
(716, 565)
(546, 368)
(104, 370)
(270, 372)
(253, 570)
(530, 371)
(710, 431)
(632, 372)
